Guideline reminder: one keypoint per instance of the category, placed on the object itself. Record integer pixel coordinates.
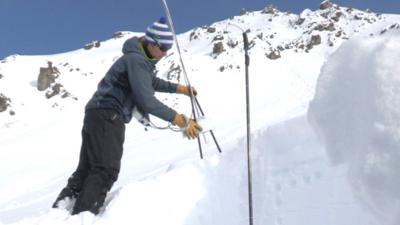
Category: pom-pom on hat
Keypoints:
(160, 33)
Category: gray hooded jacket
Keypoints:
(131, 82)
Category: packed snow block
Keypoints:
(356, 114)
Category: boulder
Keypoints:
(4, 103)
(270, 9)
(243, 12)
(118, 34)
(315, 40)
(232, 44)
(55, 90)
(218, 48)
(211, 29)
(218, 37)
(337, 16)
(275, 54)
(92, 45)
(325, 5)
(45, 79)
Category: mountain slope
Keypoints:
(40, 130)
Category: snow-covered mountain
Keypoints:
(343, 171)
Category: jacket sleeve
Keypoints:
(140, 81)
(161, 85)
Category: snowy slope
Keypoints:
(295, 181)
(363, 131)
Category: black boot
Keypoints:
(93, 193)
(67, 193)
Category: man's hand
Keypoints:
(185, 90)
(191, 127)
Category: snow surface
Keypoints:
(356, 111)
(324, 128)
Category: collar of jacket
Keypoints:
(141, 41)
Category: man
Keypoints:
(129, 84)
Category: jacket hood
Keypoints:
(132, 45)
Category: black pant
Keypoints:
(100, 159)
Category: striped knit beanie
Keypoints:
(160, 33)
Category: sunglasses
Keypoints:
(161, 47)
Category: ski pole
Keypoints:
(249, 171)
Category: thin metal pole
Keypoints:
(249, 171)
(194, 102)
(191, 95)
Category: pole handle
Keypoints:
(246, 48)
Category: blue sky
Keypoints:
(34, 27)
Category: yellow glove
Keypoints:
(180, 120)
(191, 127)
(185, 90)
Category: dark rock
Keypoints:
(327, 27)
(357, 17)
(118, 34)
(55, 90)
(218, 38)
(300, 21)
(88, 46)
(243, 11)
(330, 43)
(315, 40)
(211, 29)
(325, 14)
(92, 45)
(337, 16)
(395, 26)
(273, 55)
(46, 77)
(232, 43)
(4, 103)
(218, 48)
(270, 9)
(325, 5)
(174, 72)
(193, 36)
